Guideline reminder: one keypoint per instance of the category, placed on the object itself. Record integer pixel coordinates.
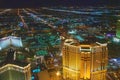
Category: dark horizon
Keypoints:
(43, 3)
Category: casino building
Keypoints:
(83, 61)
(10, 68)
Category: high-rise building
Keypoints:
(11, 69)
(82, 61)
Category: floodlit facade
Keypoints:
(12, 69)
(15, 72)
(84, 61)
(10, 40)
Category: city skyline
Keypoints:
(58, 41)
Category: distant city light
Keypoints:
(21, 24)
(36, 70)
(109, 35)
(32, 78)
(116, 39)
(0, 48)
(58, 73)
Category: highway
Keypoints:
(4, 11)
(22, 19)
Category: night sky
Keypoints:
(39, 3)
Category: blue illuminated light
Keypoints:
(32, 78)
(116, 39)
(10, 40)
(36, 70)
(21, 24)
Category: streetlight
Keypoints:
(58, 75)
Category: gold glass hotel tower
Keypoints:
(84, 61)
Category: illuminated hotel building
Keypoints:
(11, 69)
(15, 72)
(84, 61)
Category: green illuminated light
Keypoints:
(118, 30)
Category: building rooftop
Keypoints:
(88, 41)
(11, 59)
(18, 63)
(10, 40)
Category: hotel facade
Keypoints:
(83, 61)
(12, 69)
(15, 72)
